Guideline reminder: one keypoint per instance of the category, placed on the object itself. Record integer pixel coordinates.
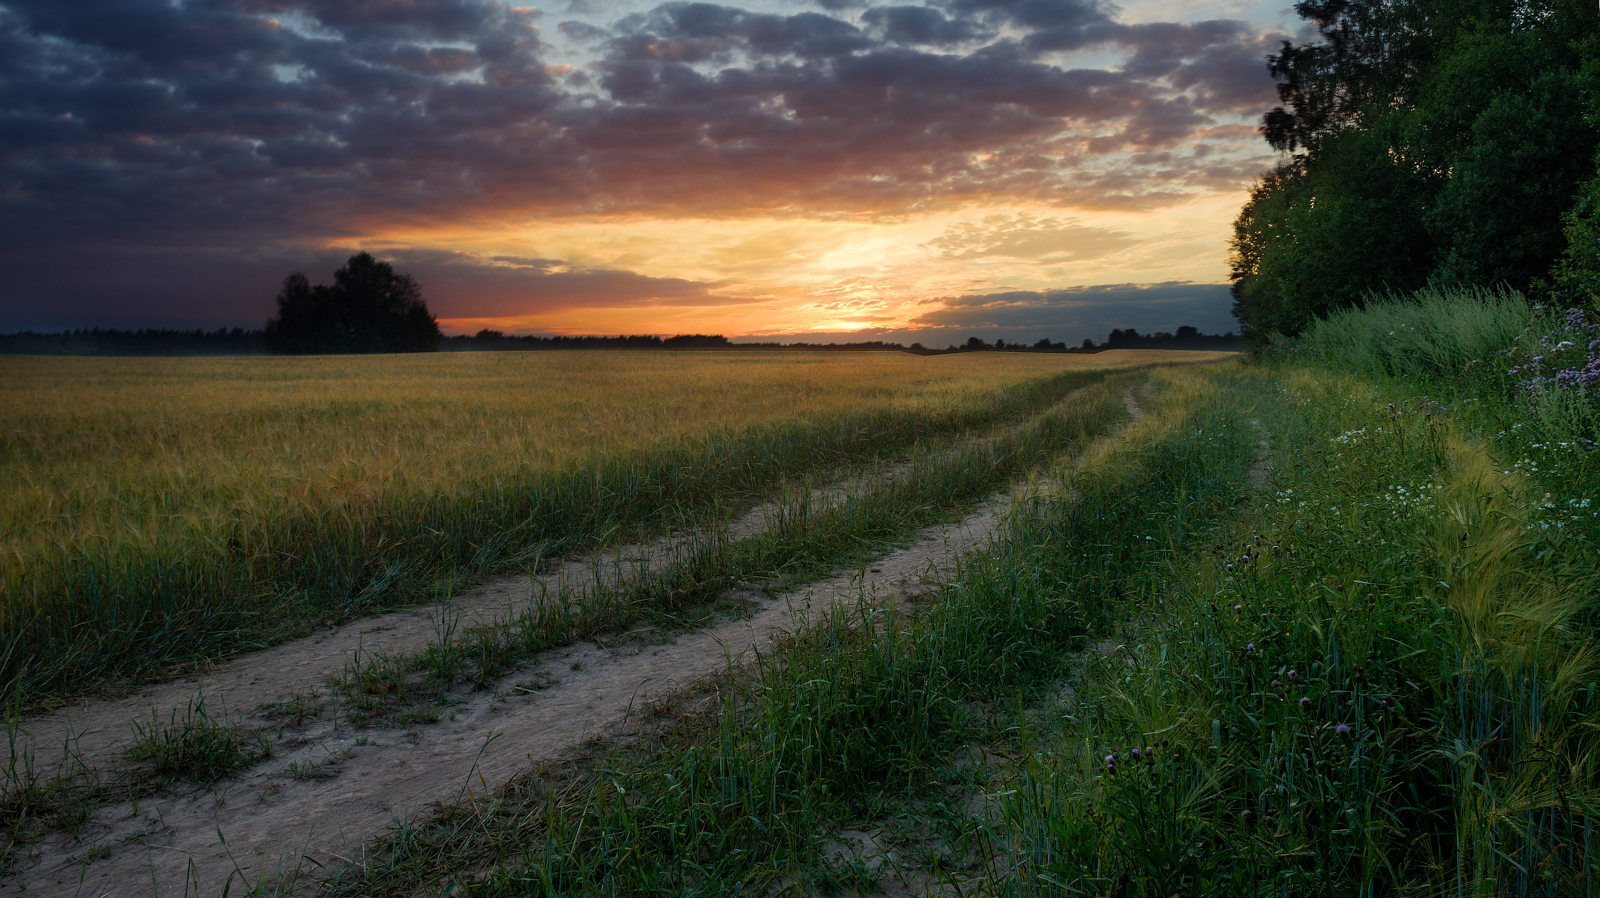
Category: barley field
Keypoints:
(159, 512)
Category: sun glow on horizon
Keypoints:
(754, 277)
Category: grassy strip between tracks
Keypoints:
(1374, 676)
(139, 604)
(807, 540)
(861, 710)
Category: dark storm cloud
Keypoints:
(1144, 307)
(714, 28)
(468, 286)
(227, 288)
(923, 25)
(583, 32)
(139, 129)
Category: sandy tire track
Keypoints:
(331, 788)
(268, 825)
(94, 732)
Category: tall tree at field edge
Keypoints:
(369, 308)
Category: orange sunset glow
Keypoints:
(828, 170)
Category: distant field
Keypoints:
(142, 497)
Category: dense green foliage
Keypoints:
(1433, 143)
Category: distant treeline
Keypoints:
(497, 341)
(238, 341)
(146, 341)
(1186, 338)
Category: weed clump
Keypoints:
(194, 745)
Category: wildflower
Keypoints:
(1293, 676)
(1305, 703)
(1342, 729)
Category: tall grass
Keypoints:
(1433, 333)
(1373, 676)
(165, 512)
(807, 538)
(863, 706)
(1377, 682)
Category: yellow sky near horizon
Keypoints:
(768, 276)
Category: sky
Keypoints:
(810, 170)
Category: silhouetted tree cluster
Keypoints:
(369, 308)
(1187, 337)
(1437, 143)
(498, 341)
(696, 341)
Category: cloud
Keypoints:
(1028, 237)
(922, 25)
(139, 128)
(1145, 307)
(287, 112)
(119, 287)
(462, 285)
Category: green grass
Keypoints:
(157, 585)
(1432, 334)
(1372, 674)
(866, 704)
(806, 539)
(1373, 677)
(195, 745)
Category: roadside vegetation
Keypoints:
(1316, 623)
(1319, 624)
